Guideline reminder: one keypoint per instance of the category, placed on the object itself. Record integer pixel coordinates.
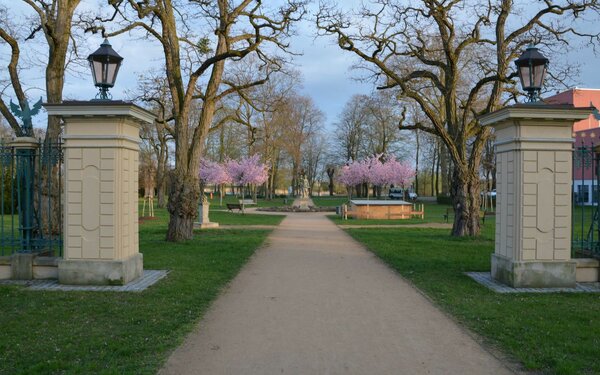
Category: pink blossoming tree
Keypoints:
(215, 173)
(247, 171)
(376, 172)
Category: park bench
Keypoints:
(234, 206)
(247, 202)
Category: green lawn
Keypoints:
(236, 218)
(222, 216)
(326, 201)
(275, 202)
(552, 333)
(122, 333)
(434, 213)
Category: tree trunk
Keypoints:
(183, 204)
(446, 170)
(417, 163)
(433, 171)
(330, 172)
(466, 202)
(437, 169)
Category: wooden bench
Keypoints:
(247, 202)
(234, 206)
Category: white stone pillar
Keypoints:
(533, 203)
(203, 210)
(101, 147)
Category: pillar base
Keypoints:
(206, 225)
(534, 274)
(21, 266)
(100, 272)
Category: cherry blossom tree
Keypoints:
(214, 173)
(400, 174)
(247, 171)
(376, 170)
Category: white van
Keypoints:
(398, 193)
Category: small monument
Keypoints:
(203, 220)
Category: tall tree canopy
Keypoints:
(453, 59)
(201, 40)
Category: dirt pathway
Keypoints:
(314, 301)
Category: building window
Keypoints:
(583, 193)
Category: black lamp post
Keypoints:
(105, 64)
(532, 66)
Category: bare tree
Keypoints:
(350, 129)
(452, 58)
(54, 19)
(303, 119)
(313, 155)
(153, 90)
(228, 32)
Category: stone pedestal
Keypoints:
(203, 220)
(533, 203)
(101, 143)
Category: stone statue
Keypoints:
(304, 187)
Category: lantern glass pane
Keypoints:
(524, 74)
(111, 74)
(117, 66)
(539, 71)
(97, 72)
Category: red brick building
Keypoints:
(580, 98)
(586, 134)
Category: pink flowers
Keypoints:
(248, 170)
(213, 173)
(373, 171)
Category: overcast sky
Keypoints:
(326, 69)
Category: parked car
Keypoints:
(398, 193)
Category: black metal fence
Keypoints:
(585, 216)
(30, 198)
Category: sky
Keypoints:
(326, 69)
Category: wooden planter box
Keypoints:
(385, 209)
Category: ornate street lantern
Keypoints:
(532, 66)
(105, 63)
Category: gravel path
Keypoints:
(314, 301)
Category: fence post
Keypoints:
(101, 143)
(533, 208)
(25, 151)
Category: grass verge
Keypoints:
(122, 333)
(329, 201)
(236, 218)
(261, 202)
(555, 333)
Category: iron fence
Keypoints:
(585, 218)
(30, 198)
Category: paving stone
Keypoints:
(149, 278)
(485, 279)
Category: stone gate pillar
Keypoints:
(533, 202)
(101, 147)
